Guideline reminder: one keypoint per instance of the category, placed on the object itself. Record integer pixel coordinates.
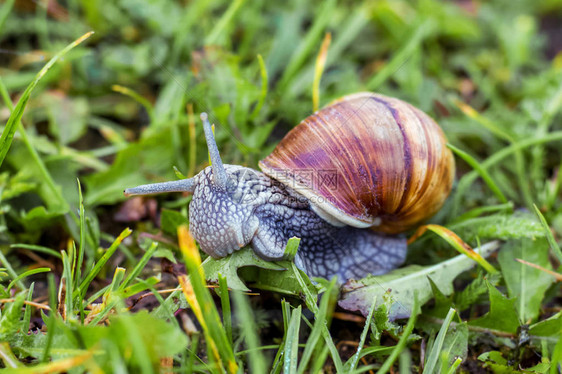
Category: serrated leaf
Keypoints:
(495, 361)
(442, 302)
(228, 267)
(10, 320)
(502, 315)
(524, 283)
(475, 290)
(500, 226)
(401, 284)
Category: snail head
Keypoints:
(224, 198)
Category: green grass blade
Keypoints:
(82, 217)
(140, 265)
(480, 170)
(263, 91)
(223, 22)
(201, 301)
(403, 339)
(353, 361)
(27, 313)
(25, 275)
(38, 248)
(310, 301)
(97, 267)
(418, 35)
(255, 358)
(291, 353)
(306, 47)
(17, 112)
(468, 179)
(549, 236)
(225, 304)
(433, 357)
(315, 334)
(5, 11)
(11, 271)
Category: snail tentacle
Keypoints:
(219, 173)
(184, 185)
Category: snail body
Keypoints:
(345, 181)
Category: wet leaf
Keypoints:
(502, 315)
(524, 283)
(401, 284)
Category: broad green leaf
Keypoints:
(10, 320)
(502, 315)
(499, 226)
(401, 284)
(495, 361)
(524, 283)
(147, 157)
(170, 220)
(229, 266)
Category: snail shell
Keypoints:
(367, 160)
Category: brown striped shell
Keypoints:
(367, 160)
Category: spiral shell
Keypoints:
(367, 160)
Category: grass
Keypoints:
(92, 282)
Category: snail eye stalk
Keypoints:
(184, 185)
(219, 173)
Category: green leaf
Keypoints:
(499, 226)
(147, 157)
(401, 284)
(17, 113)
(170, 220)
(228, 267)
(442, 303)
(451, 342)
(10, 320)
(524, 283)
(495, 361)
(502, 315)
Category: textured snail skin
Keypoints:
(259, 211)
(392, 165)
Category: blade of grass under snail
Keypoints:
(290, 354)
(354, 360)
(310, 301)
(319, 69)
(255, 357)
(316, 332)
(456, 242)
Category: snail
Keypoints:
(347, 181)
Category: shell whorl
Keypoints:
(367, 160)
